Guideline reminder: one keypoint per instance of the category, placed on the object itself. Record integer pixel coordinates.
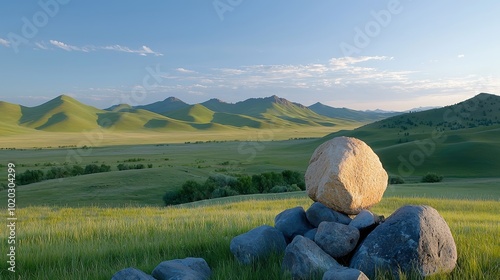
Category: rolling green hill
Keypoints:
(456, 140)
(62, 113)
(193, 113)
(65, 114)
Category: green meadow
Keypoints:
(90, 226)
(95, 242)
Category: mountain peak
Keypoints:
(172, 99)
(278, 100)
(215, 100)
(64, 97)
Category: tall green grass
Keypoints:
(94, 243)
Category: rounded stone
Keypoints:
(346, 175)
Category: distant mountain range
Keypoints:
(66, 114)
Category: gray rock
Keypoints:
(311, 234)
(131, 274)
(412, 238)
(337, 240)
(318, 213)
(364, 219)
(292, 222)
(344, 273)
(305, 259)
(183, 269)
(258, 243)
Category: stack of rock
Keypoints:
(338, 237)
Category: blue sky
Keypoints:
(392, 55)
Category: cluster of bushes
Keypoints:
(396, 180)
(33, 176)
(220, 185)
(428, 178)
(122, 166)
(432, 178)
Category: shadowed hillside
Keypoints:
(345, 113)
(458, 140)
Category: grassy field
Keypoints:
(173, 164)
(95, 242)
(90, 226)
(99, 137)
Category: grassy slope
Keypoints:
(193, 113)
(458, 140)
(192, 161)
(60, 114)
(94, 243)
(465, 152)
(147, 186)
(70, 121)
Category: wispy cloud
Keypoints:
(348, 61)
(461, 56)
(4, 43)
(41, 45)
(64, 46)
(345, 81)
(184, 70)
(143, 51)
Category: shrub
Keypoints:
(57, 172)
(104, 168)
(244, 185)
(193, 191)
(94, 168)
(91, 168)
(278, 189)
(172, 198)
(292, 177)
(432, 178)
(29, 176)
(293, 188)
(224, 192)
(122, 166)
(77, 170)
(396, 180)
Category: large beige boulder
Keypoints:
(345, 175)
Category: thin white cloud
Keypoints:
(41, 46)
(183, 70)
(348, 61)
(461, 56)
(144, 51)
(4, 43)
(64, 46)
(344, 79)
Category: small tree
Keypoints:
(396, 180)
(432, 178)
(30, 176)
